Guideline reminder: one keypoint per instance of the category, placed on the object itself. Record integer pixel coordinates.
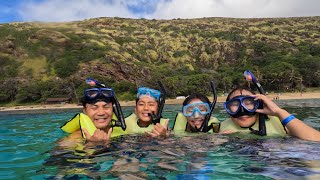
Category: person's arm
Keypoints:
(298, 128)
(71, 140)
(294, 126)
(99, 137)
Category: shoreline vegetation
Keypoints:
(274, 96)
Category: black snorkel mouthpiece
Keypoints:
(204, 127)
(194, 129)
(262, 117)
(155, 118)
(115, 103)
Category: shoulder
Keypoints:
(213, 120)
(131, 116)
(274, 126)
(180, 122)
(228, 124)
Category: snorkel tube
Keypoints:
(156, 118)
(262, 117)
(116, 106)
(204, 127)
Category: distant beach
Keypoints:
(274, 96)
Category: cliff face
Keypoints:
(139, 51)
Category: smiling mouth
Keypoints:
(145, 114)
(100, 119)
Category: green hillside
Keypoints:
(42, 60)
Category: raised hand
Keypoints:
(98, 135)
(269, 108)
(159, 130)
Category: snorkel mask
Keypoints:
(144, 91)
(201, 108)
(241, 105)
(196, 110)
(204, 108)
(102, 93)
(94, 95)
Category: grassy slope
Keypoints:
(140, 51)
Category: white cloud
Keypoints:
(236, 8)
(68, 10)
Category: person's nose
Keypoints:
(100, 111)
(196, 114)
(146, 107)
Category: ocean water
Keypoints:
(29, 150)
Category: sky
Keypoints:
(72, 10)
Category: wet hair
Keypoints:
(240, 88)
(200, 96)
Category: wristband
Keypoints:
(286, 120)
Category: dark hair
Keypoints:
(137, 99)
(84, 101)
(200, 96)
(240, 88)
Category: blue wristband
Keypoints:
(286, 120)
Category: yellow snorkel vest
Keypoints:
(80, 121)
(273, 126)
(180, 123)
(134, 128)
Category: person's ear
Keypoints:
(84, 110)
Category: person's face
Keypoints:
(196, 119)
(100, 113)
(145, 105)
(243, 121)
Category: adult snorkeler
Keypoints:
(147, 116)
(101, 118)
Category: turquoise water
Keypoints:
(28, 150)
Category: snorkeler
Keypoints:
(196, 114)
(246, 110)
(102, 115)
(147, 116)
(196, 108)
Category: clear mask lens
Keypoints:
(95, 92)
(191, 109)
(247, 102)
